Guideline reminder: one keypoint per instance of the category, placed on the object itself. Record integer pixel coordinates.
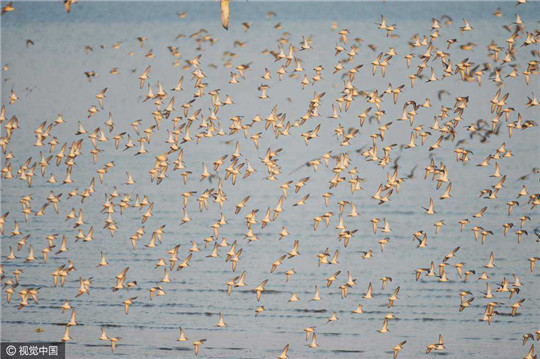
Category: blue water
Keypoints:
(49, 80)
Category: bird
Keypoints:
(225, 14)
(430, 209)
(436, 346)
(127, 303)
(8, 8)
(66, 336)
(313, 343)
(182, 337)
(221, 322)
(103, 335)
(113, 341)
(260, 288)
(516, 306)
(369, 294)
(273, 148)
(197, 344)
(490, 263)
(384, 328)
(144, 76)
(398, 348)
(283, 354)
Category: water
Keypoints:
(49, 79)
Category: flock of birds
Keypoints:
(184, 120)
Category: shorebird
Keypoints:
(211, 135)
